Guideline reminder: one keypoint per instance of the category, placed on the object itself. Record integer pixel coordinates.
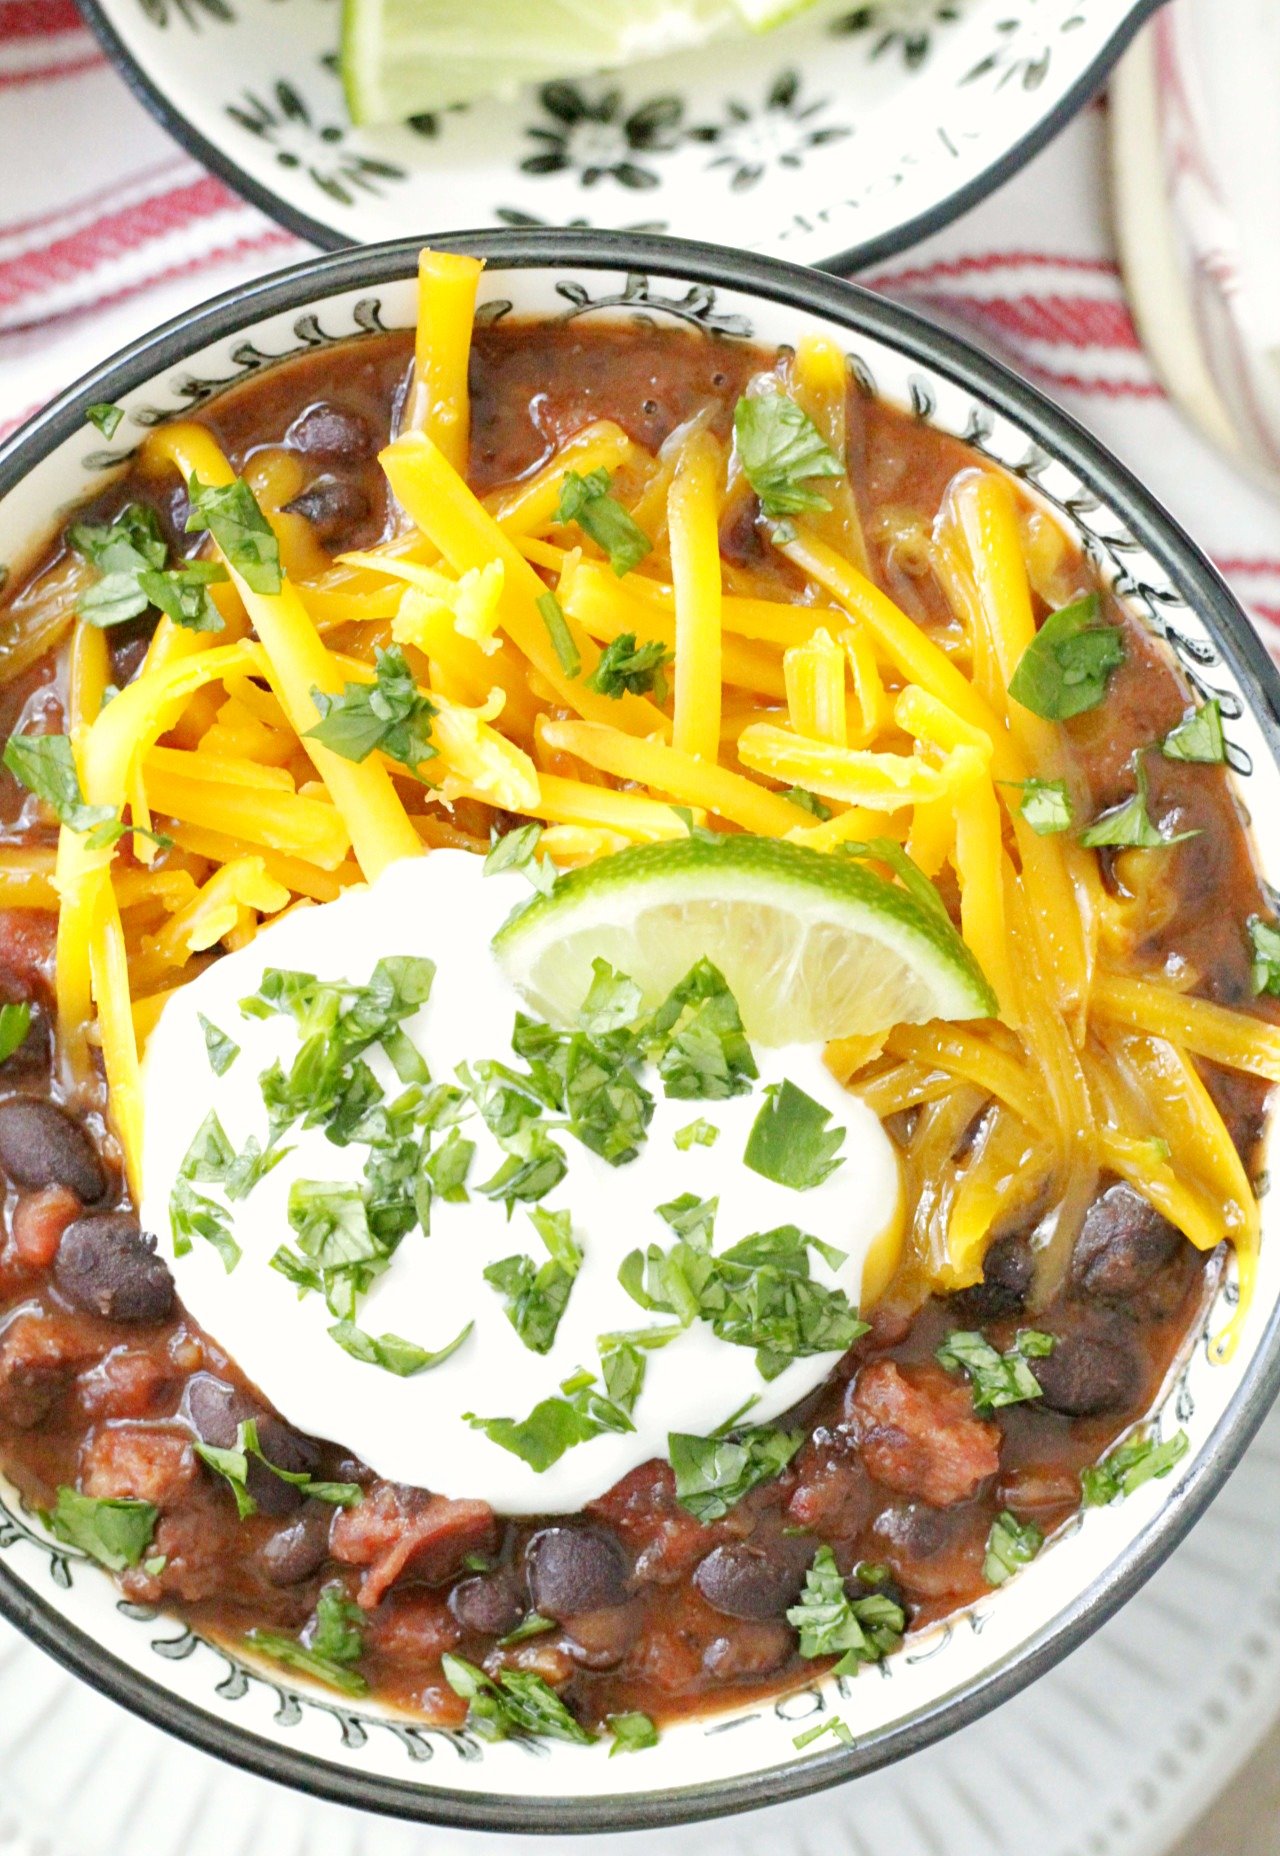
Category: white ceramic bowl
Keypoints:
(836, 140)
(366, 1755)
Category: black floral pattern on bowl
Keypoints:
(193, 13)
(780, 133)
(897, 25)
(598, 138)
(299, 141)
(1022, 53)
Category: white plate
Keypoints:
(1114, 1753)
(836, 140)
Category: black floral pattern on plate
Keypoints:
(286, 123)
(598, 138)
(780, 133)
(193, 13)
(897, 25)
(1022, 52)
(515, 216)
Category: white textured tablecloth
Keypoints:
(107, 228)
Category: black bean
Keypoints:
(332, 505)
(574, 1569)
(325, 431)
(600, 1639)
(916, 1530)
(748, 1581)
(215, 1411)
(1006, 1278)
(754, 1650)
(42, 1145)
(1094, 1367)
(107, 1266)
(490, 1604)
(1123, 1243)
(299, 1549)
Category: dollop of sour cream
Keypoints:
(413, 1430)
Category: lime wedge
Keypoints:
(812, 945)
(407, 57)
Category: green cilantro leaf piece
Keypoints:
(552, 1427)
(1010, 1544)
(526, 1177)
(44, 764)
(626, 668)
(183, 593)
(518, 850)
(331, 1643)
(120, 550)
(536, 1297)
(404, 1358)
(622, 1361)
(514, 1702)
(839, 1729)
(790, 1141)
(697, 1040)
(698, 1133)
(1264, 939)
(231, 514)
(807, 802)
(1130, 824)
(613, 1000)
(192, 1215)
(389, 715)
(780, 449)
(1065, 668)
(832, 1623)
(714, 1473)
(632, 1732)
(997, 1378)
(1141, 1458)
(115, 1532)
(1199, 737)
(447, 1167)
(586, 501)
(222, 1050)
(561, 637)
(232, 1464)
(15, 1022)
(105, 416)
(1046, 805)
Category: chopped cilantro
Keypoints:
(105, 416)
(780, 450)
(1010, 1544)
(183, 594)
(222, 1050)
(1141, 1458)
(537, 1297)
(698, 1133)
(232, 1464)
(524, 1178)
(1065, 668)
(1199, 737)
(332, 1642)
(44, 764)
(120, 550)
(514, 1702)
(612, 1000)
(997, 1378)
(697, 1041)
(586, 501)
(714, 1473)
(552, 615)
(115, 1531)
(626, 668)
(530, 1625)
(231, 514)
(556, 1424)
(790, 1141)
(632, 1732)
(1264, 939)
(518, 850)
(831, 1623)
(1046, 805)
(1131, 823)
(807, 802)
(389, 715)
(912, 878)
(393, 1354)
(833, 1725)
(15, 1022)
(448, 1166)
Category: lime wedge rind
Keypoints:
(814, 946)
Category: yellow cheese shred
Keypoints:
(447, 286)
(693, 526)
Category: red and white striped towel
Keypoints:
(107, 228)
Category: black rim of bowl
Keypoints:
(862, 314)
(854, 257)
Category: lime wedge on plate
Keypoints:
(405, 57)
(813, 946)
